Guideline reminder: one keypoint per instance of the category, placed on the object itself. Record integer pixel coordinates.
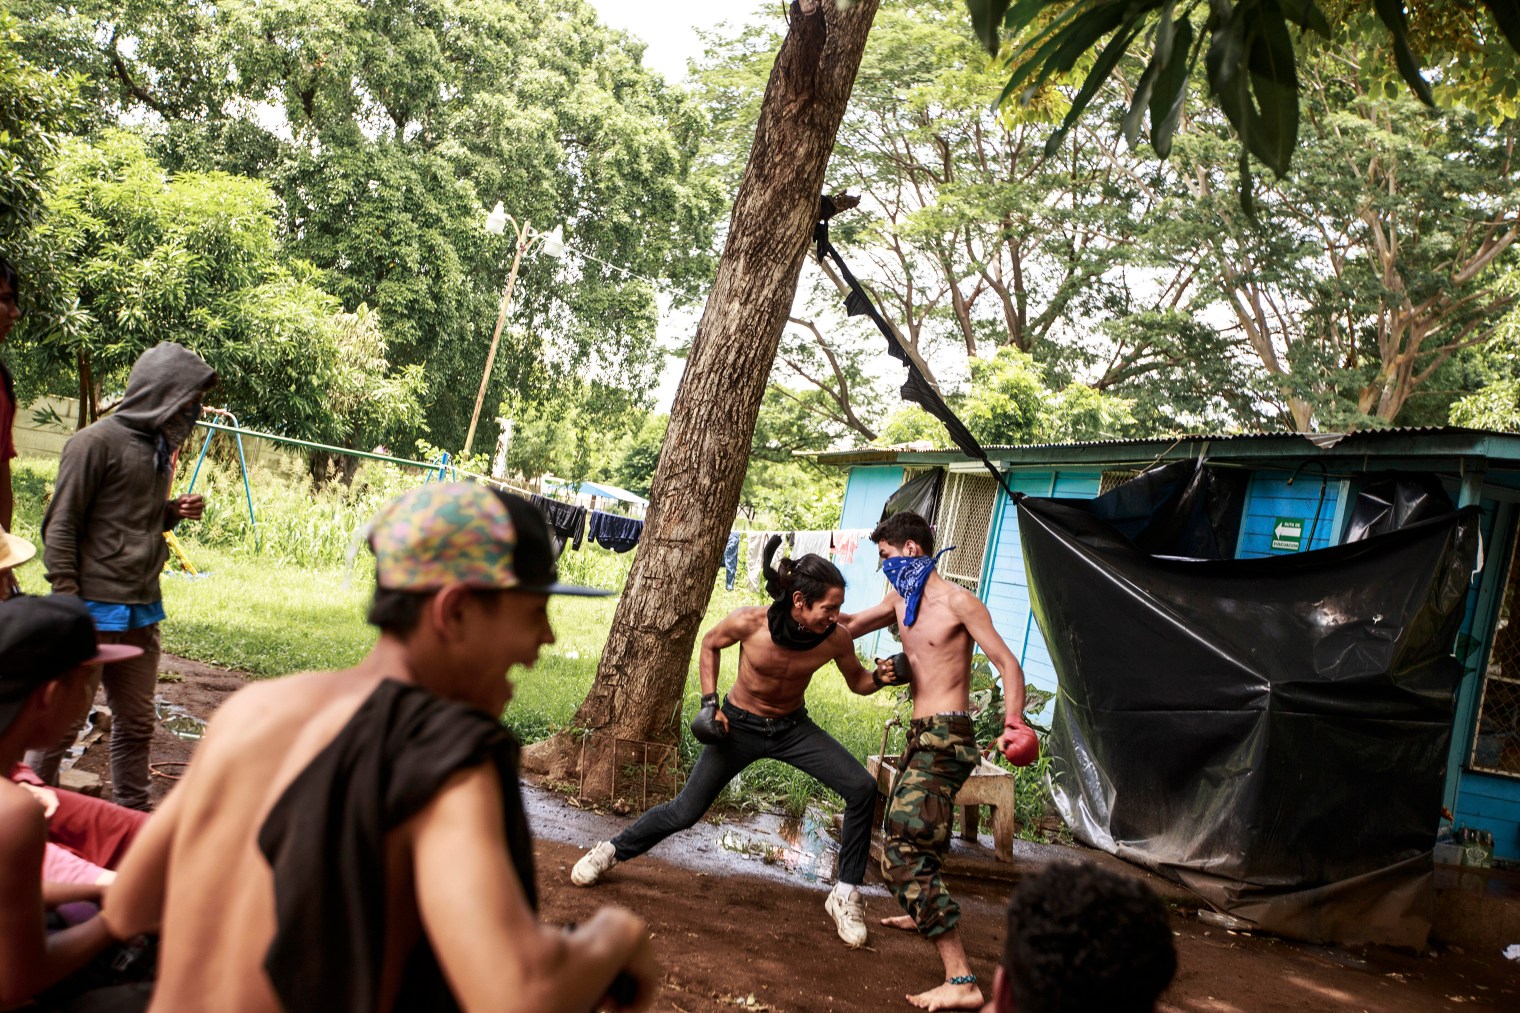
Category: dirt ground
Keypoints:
(736, 933)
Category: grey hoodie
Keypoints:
(103, 532)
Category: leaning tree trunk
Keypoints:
(642, 674)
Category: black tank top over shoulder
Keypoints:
(325, 842)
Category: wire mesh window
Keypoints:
(1496, 746)
(1111, 480)
(964, 521)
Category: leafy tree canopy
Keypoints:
(1357, 294)
(386, 128)
(141, 256)
(36, 111)
(1009, 402)
(1249, 56)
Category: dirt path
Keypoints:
(736, 934)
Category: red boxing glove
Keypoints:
(1021, 746)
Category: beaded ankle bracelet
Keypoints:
(961, 979)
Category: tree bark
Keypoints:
(642, 674)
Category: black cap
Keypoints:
(42, 639)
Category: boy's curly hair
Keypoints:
(1082, 938)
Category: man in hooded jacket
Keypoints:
(103, 542)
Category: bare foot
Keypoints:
(900, 922)
(948, 996)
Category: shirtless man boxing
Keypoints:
(781, 648)
(940, 623)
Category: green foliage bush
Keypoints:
(293, 523)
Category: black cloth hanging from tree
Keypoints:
(917, 387)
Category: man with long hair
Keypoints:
(781, 648)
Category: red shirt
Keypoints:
(7, 417)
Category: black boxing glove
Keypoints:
(705, 727)
(902, 672)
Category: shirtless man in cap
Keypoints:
(47, 656)
(355, 841)
(781, 648)
(940, 623)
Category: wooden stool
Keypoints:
(988, 785)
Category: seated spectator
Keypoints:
(13, 552)
(47, 651)
(355, 840)
(87, 837)
(1080, 939)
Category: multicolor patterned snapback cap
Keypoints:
(451, 533)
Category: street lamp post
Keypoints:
(552, 243)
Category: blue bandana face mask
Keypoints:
(908, 575)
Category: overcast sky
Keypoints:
(670, 29)
(670, 26)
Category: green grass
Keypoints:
(267, 618)
(294, 605)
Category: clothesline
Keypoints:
(838, 544)
(569, 523)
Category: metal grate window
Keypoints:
(964, 521)
(1111, 480)
(1496, 746)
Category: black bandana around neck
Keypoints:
(786, 633)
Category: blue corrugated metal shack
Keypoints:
(1299, 496)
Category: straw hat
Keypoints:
(14, 551)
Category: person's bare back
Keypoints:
(218, 915)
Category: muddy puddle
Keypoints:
(801, 850)
(803, 846)
(179, 722)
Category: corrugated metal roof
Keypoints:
(1403, 441)
(1318, 439)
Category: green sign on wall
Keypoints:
(1288, 534)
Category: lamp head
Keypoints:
(554, 241)
(496, 221)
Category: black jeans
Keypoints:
(793, 739)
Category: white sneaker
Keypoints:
(849, 914)
(596, 862)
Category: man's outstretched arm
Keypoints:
(856, 675)
(869, 620)
(135, 901)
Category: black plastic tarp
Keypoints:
(1271, 733)
(1391, 501)
(919, 494)
(1182, 509)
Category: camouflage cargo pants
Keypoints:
(940, 755)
